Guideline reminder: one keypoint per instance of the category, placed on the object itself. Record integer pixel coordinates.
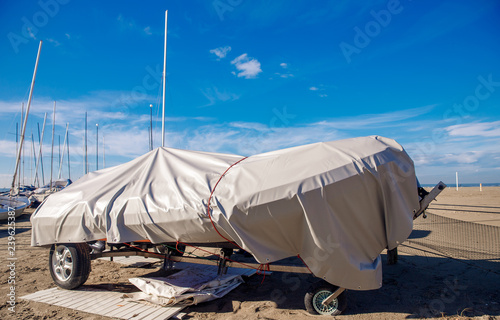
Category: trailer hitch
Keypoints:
(427, 198)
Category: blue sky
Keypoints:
(247, 77)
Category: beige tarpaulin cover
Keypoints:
(336, 204)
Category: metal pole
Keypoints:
(97, 147)
(25, 119)
(62, 154)
(52, 151)
(69, 166)
(35, 176)
(59, 157)
(150, 127)
(40, 144)
(456, 175)
(103, 153)
(86, 156)
(22, 176)
(17, 144)
(164, 77)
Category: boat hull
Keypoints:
(15, 204)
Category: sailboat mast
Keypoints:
(86, 164)
(103, 153)
(40, 144)
(25, 119)
(62, 154)
(22, 176)
(97, 147)
(164, 77)
(69, 164)
(17, 143)
(150, 127)
(33, 177)
(52, 151)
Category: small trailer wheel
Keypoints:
(69, 264)
(392, 256)
(317, 293)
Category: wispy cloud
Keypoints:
(54, 42)
(320, 91)
(247, 67)
(8, 148)
(31, 34)
(147, 30)
(481, 129)
(221, 52)
(389, 119)
(287, 74)
(215, 95)
(130, 24)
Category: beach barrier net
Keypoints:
(479, 244)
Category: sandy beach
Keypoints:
(423, 284)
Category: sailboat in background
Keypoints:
(13, 204)
(40, 194)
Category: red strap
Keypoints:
(210, 198)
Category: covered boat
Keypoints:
(336, 204)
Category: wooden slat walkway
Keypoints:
(112, 304)
(104, 303)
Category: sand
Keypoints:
(422, 284)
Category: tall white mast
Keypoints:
(164, 77)
(52, 150)
(69, 164)
(86, 162)
(25, 120)
(103, 153)
(62, 154)
(40, 144)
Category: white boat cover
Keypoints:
(336, 204)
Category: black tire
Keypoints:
(392, 256)
(69, 264)
(317, 293)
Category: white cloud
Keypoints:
(67, 35)
(8, 148)
(130, 24)
(462, 157)
(221, 52)
(314, 88)
(284, 75)
(147, 30)
(54, 42)
(246, 138)
(284, 65)
(248, 67)
(389, 119)
(482, 129)
(214, 94)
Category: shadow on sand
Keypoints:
(416, 287)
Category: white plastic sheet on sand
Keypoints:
(190, 286)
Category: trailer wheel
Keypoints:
(69, 264)
(317, 293)
(392, 256)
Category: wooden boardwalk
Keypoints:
(104, 303)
